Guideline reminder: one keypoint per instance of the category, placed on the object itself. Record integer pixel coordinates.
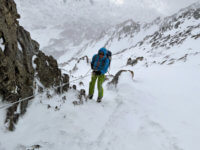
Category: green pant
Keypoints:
(99, 85)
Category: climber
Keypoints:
(100, 63)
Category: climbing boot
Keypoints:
(90, 96)
(99, 100)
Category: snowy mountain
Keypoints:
(158, 38)
(59, 27)
(151, 93)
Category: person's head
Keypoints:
(102, 52)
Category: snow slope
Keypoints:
(158, 110)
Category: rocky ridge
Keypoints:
(21, 63)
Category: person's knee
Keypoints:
(100, 87)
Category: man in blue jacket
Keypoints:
(99, 65)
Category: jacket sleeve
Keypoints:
(92, 63)
(105, 68)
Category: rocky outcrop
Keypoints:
(17, 73)
(164, 39)
(116, 77)
(134, 61)
(51, 75)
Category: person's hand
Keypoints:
(98, 72)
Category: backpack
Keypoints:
(109, 56)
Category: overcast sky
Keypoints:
(149, 9)
(171, 6)
(88, 18)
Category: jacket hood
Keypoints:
(103, 50)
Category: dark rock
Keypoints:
(83, 58)
(48, 106)
(116, 77)
(140, 58)
(81, 83)
(129, 61)
(75, 68)
(64, 98)
(196, 14)
(77, 102)
(184, 58)
(177, 24)
(82, 95)
(163, 62)
(171, 61)
(135, 61)
(16, 71)
(49, 96)
(34, 147)
(56, 108)
(40, 89)
(196, 36)
(74, 87)
(65, 82)
(48, 71)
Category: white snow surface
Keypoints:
(2, 46)
(158, 110)
(19, 46)
(33, 63)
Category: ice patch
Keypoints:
(19, 46)
(38, 83)
(15, 91)
(2, 46)
(47, 63)
(33, 59)
(18, 109)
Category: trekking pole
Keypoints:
(87, 72)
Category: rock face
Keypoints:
(117, 75)
(134, 61)
(17, 73)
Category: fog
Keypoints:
(60, 23)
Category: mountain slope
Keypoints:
(156, 110)
(59, 27)
(161, 41)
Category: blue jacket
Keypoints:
(100, 64)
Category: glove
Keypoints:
(97, 72)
